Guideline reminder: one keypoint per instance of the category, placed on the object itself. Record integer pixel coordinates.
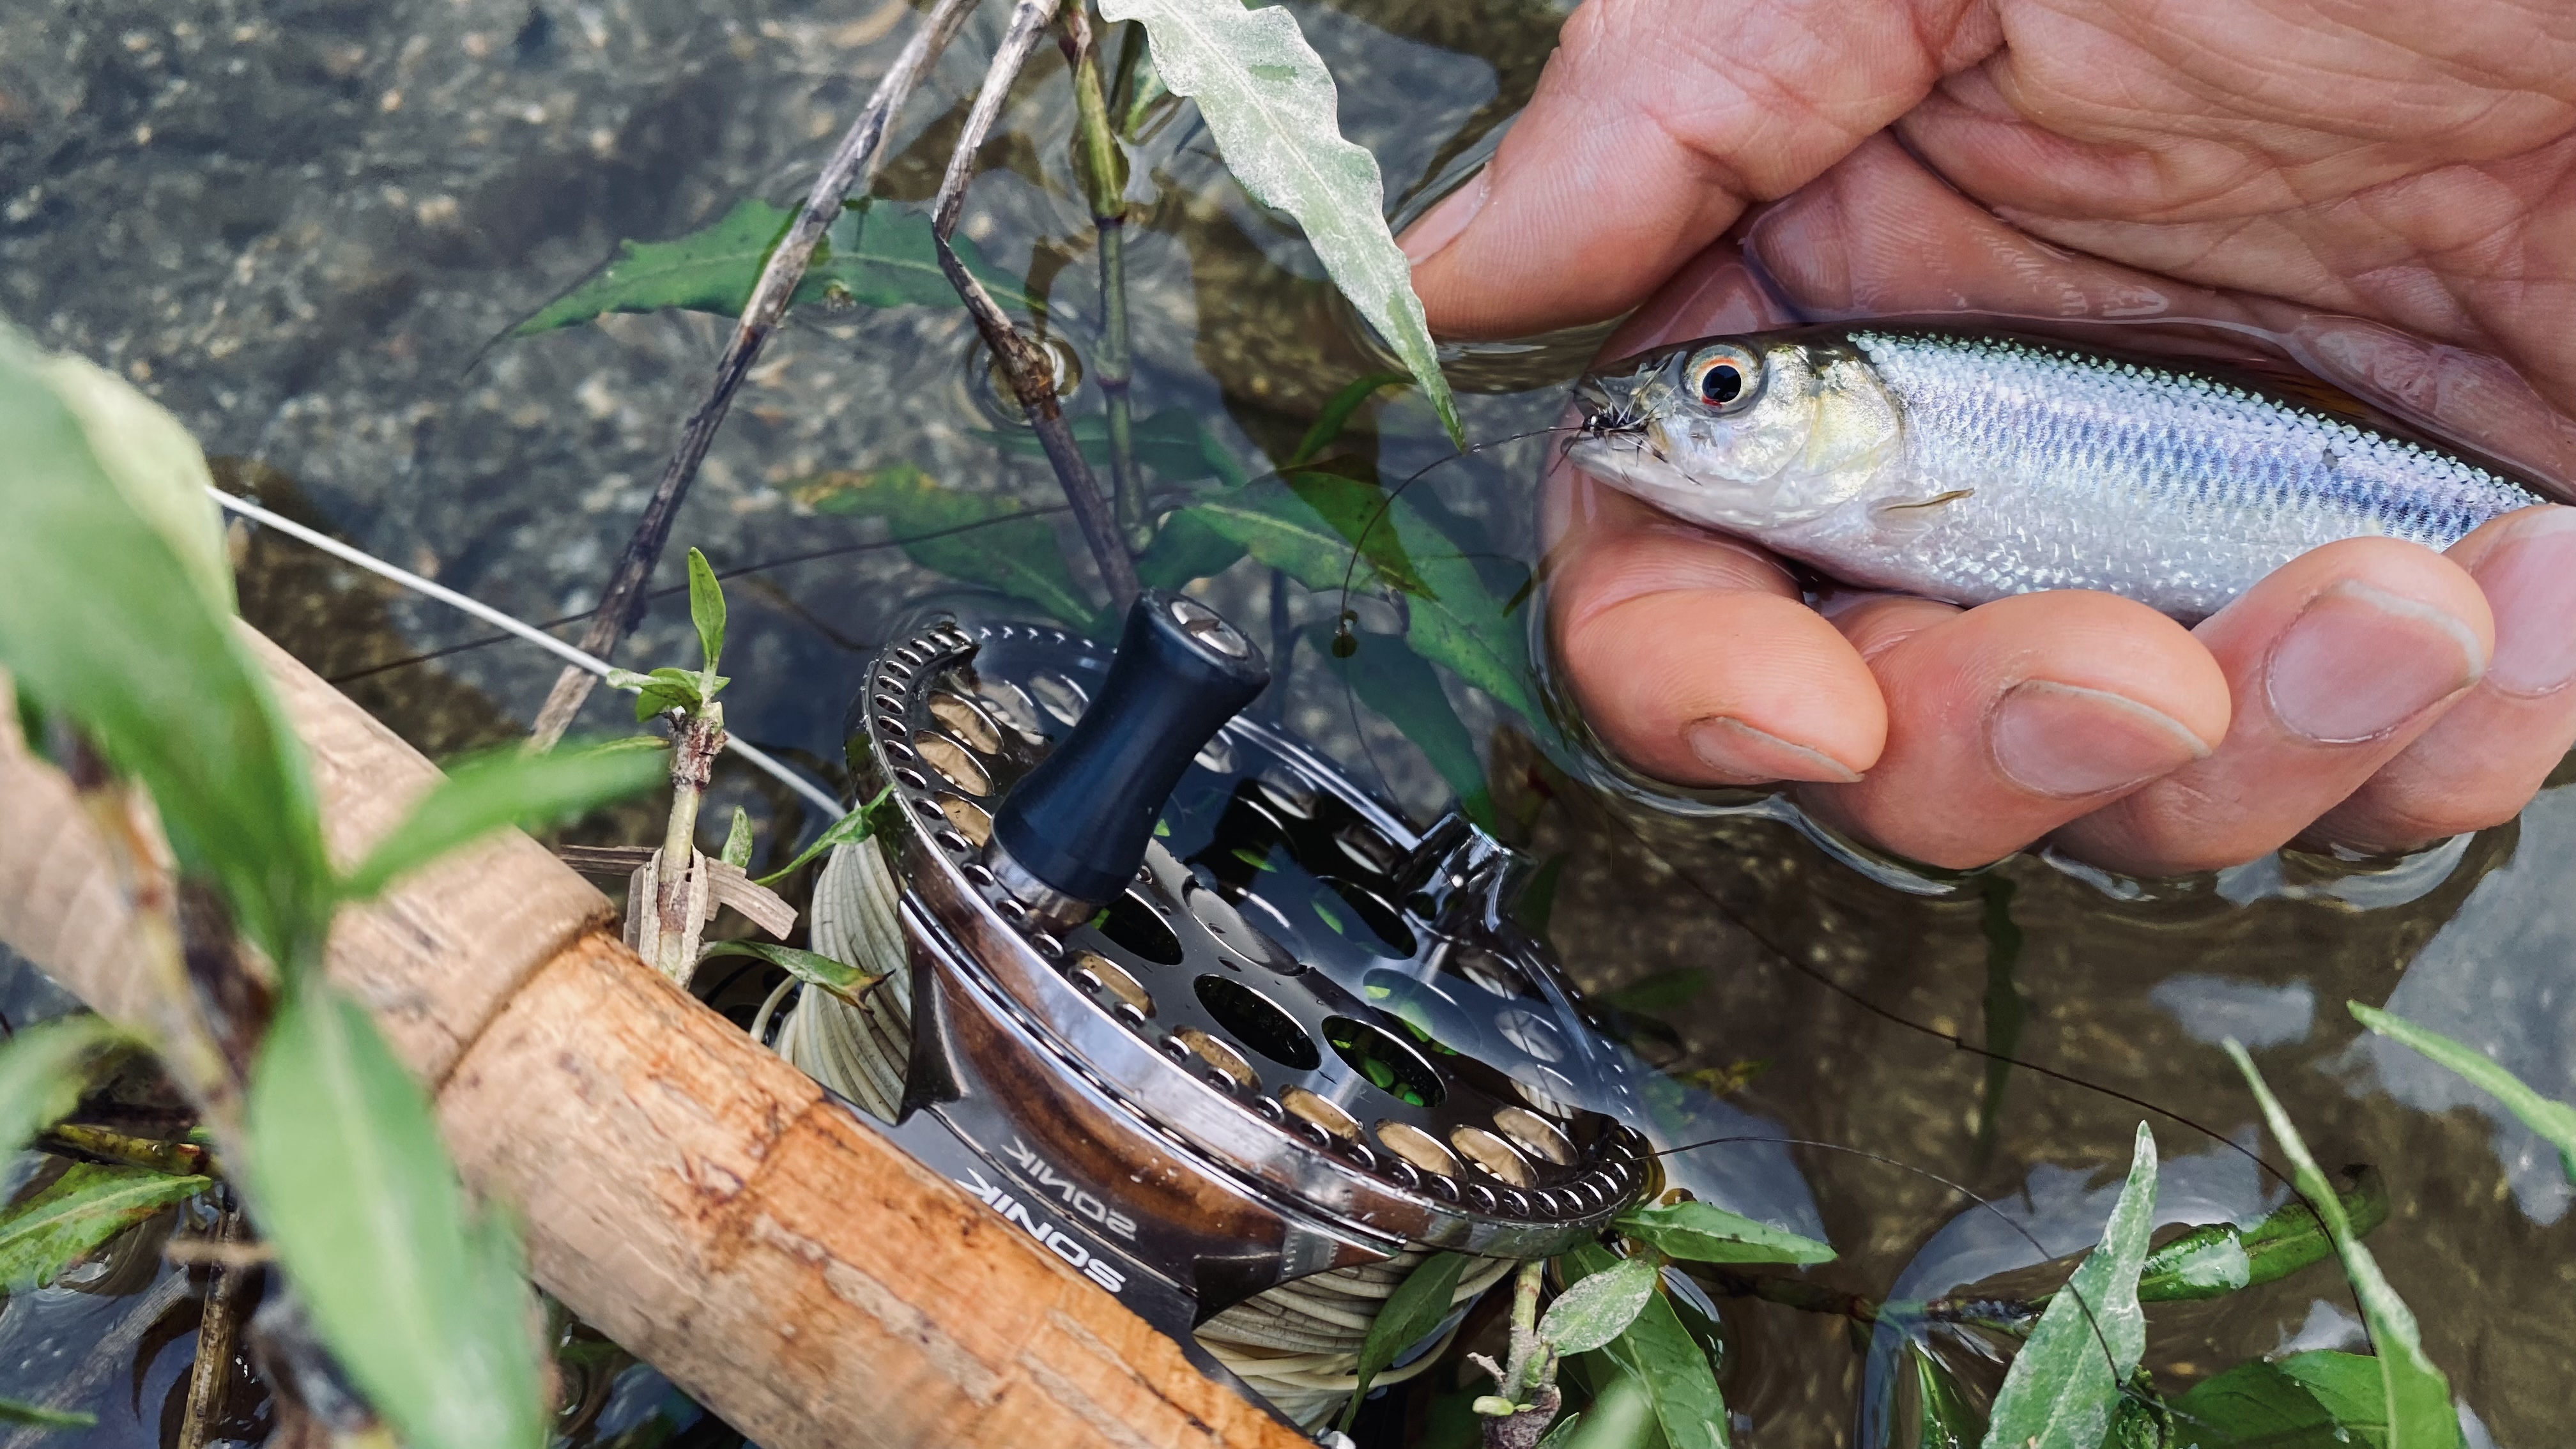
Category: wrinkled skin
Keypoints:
(2400, 163)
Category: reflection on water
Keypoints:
(316, 216)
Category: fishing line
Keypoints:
(673, 590)
(752, 755)
(1344, 641)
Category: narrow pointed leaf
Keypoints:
(1271, 105)
(971, 537)
(2415, 1396)
(873, 254)
(1945, 1418)
(1400, 685)
(706, 610)
(2555, 1121)
(14, 1411)
(2065, 1382)
(42, 1071)
(737, 845)
(856, 826)
(811, 967)
(503, 788)
(419, 1298)
(1600, 1307)
(1456, 622)
(78, 1214)
(1337, 412)
(1413, 1310)
(1705, 1233)
(104, 619)
(1657, 1354)
(2316, 1400)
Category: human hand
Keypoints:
(2397, 166)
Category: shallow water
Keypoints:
(301, 226)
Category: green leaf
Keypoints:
(1414, 1309)
(1600, 1307)
(2220, 1257)
(2555, 1121)
(1336, 414)
(151, 459)
(2415, 1397)
(737, 846)
(420, 1300)
(2318, 1400)
(1457, 622)
(14, 1411)
(1660, 1357)
(872, 254)
(500, 788)
(77, 1214)
(2065, 1381)
(1662, 991)
(1400, 685)
(1270, 103)
(1704, 1233)
(1945, 1419)
(856, 826)
(42, 1071)
(983, 540)
(1174, 442)
(1185, 548)
(811, 967)
(103, 618)
(707, 611)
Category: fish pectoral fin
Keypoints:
(1936, 500)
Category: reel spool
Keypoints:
(1182, 1001)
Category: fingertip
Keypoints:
(1710, 686)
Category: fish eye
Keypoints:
(1724, 377)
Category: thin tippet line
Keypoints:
(673, 590)
(752, 755)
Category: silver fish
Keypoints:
(1970, 465)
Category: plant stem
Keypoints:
(1104, 174)
(210, 1380)
(853, 166)
(105, 1144)
(1032, 378)
(694, 747)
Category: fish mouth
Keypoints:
(1608, 410)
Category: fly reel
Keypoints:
(1189, 1006)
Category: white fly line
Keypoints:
(751, 754)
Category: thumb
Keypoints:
(1654, 125)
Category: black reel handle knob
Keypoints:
(1075, 830)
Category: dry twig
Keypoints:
(1032, 376)
(210, 1379)
(853, 167)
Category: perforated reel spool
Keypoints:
(1305, 1042)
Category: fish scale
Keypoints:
(1970, 466)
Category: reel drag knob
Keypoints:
(1074, 832)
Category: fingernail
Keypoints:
(2530, 581)
(2067, 741)
(2359, 661)
(1447, 217)
(1739, 754)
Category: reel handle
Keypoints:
(1075, 830)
